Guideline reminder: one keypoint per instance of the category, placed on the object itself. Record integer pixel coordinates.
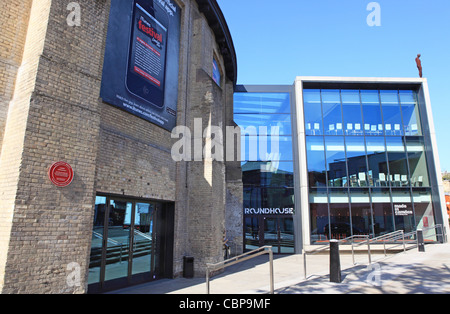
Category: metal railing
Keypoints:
(364, 240)
(238, 259)
(394, 239)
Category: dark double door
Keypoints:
(128, 241)
(270, 230)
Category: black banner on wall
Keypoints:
(140, 71)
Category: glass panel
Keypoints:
(118, 241)
(398, 167)
(403, 210)
(332, 113)
(266, 148)
(417, 162)
(373, 122)
(251, 233)
(356, 162)
(262, 103)
(410, 112)
(318, 203)
(315, 151)
(143, 244)
(351, 107)
(339, 215)
(391, 113)
(361, 213)
(286, 235)
(271, 233)
(376, 157)
(271, 121)
(424, 213)
(275, 174)
(271, 198)
(97, 240)
(382, 211)
(313, 112)
(336, 165)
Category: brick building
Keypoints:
(131, 212)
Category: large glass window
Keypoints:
(391, 113)
(356, 160)
(318, 199)
(376, 157)
(313, 112)
(410, 112)
(262, 103)
(398, 167)
(361, 212)
(383, 218)
(351, 108)
(336, 163)
(267, 168)
(315, 151)
(403, 210)
(373, 121)
(417, 161)
(332, 112)
(340, 225)
(266, 123)
(365, 156)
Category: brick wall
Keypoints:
(50, 86)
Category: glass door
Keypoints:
(144, 239)
(123, 243)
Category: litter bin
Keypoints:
(188, 267)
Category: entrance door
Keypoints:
(275, 231)
(123, 243)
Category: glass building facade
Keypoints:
(328, 158)
(367, 168)
(267, 168)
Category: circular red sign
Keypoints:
(61, 174)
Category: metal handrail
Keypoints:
(393, 236)
(326, 247)
(242, 258)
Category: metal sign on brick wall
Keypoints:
(61, 174)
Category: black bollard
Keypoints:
(335, 262)
(420, 241)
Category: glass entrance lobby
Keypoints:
(127, 245)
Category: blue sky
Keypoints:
(276, 41)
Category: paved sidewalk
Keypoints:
(410, 272)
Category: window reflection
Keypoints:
(373, 121)
(351, 108)
(366, 143)
(271, 121)
(332, 113)
(262, 103)
(340, 226)
(410, 112)
(398, 168)
(417, 162)
(313, 112)
(315, 150)
(336, 165)
(391, 113)
(361, 212)
(383, 219)
(356, 160)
